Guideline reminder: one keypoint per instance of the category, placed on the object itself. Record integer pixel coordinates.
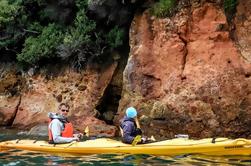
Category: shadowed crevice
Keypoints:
(10, 123)
(184, 59)
(109, 104)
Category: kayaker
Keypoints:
(129, 127)
(60, 129)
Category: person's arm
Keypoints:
(56, 128)
(127, 132)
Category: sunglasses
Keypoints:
(65, 110)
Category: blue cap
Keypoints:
(131, 112)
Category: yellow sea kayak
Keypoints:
(178, 146)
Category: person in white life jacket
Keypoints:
(60, 130)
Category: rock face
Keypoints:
(8, 109)
(185, 75)
(10, 85)
(243, 28)
(42, 93)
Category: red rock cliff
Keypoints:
(186, 75)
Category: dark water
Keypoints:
(23, 158)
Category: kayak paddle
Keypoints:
(87, 131)
(136, 140)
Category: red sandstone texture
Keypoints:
(42, 94)
(185, 75)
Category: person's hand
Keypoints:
(79, 135)
(138, 131)
(76, 139)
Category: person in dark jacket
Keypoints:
(129, 127)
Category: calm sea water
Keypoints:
(23, 158)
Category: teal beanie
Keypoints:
(131, 112)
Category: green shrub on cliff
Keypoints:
(35, 31)
(7, 12)
(230, 8)
(230, 5)
(77, 42)
(115, 37)
(163, 8)
(84, 41)
(41, 46)
(10, 26)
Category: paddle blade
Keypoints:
(87, 131)
(136, 140)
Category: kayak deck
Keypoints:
(178, 146)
